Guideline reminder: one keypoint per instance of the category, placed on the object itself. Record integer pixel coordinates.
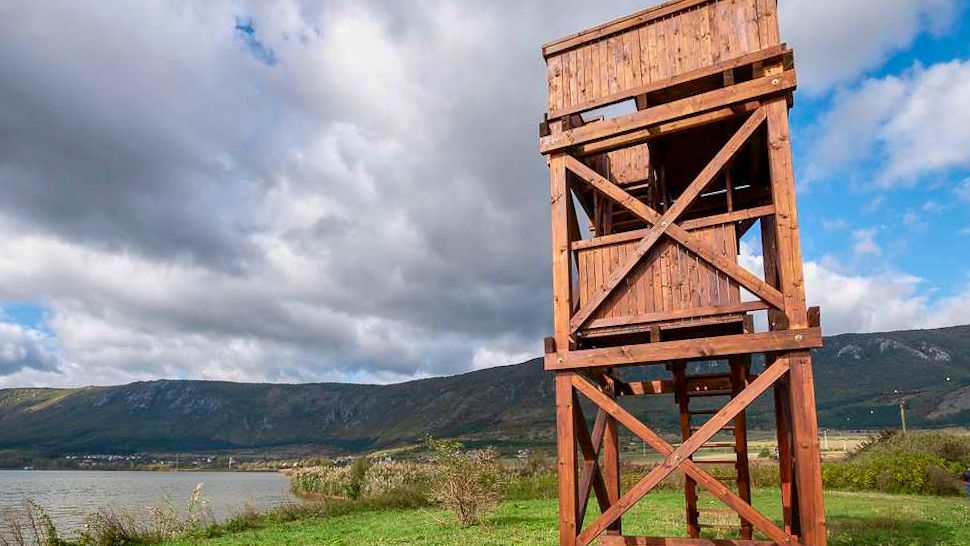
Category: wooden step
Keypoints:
(712, 392)
(727, 428)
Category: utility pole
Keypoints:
(903, 397)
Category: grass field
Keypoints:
(870, 519)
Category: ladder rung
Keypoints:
(715, 445)
(716, 526)
(725, 428)
(716, 511)
(713, 375)
(712, 392)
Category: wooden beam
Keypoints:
(611, 451)
(561, 204)
(683, 201)
(710, 483)
(680, 79)
(657, 541)
(689, 225)
(591, 476)
(688, 349)
(658, 130)
(566, 459)
(697, 104)
(681, 314)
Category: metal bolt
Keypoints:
(799, 337)
(775, 81)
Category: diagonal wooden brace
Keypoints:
(660, 226)
(680, 457)
(742, 276)
(592, 475)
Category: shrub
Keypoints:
(927, 462)
(468, 482)
(323, 481)
(28, 525)
(392, 478)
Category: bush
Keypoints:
(468, 482)
(28, 525)
(926, 463)
(321, 481)
(391, 478)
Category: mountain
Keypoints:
(511, 405)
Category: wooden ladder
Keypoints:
(713, 386)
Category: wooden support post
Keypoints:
(611, 454)
(562, 275)
(679, 370)
(739, 378)
(789, 501)
(807, 455)
(566, 460)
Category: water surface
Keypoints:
(69, 496)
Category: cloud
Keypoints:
(838, 41)
(882, 301)
(864, 242)
(287, 191)
(902, 127)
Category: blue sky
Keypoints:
(351, 190)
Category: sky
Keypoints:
(351, 190)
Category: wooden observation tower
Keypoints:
(667, 139)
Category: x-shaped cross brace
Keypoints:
(665, 225)
(680, 457)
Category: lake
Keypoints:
(69, 496)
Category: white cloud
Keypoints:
(963, 190)
(878, 302)
(905, 127)
(837, 41)
(864, 242)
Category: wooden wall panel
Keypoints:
(701, 35)
(670, 278)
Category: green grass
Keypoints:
(870, 519)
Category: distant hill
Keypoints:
(509, 405)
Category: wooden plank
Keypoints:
(663, 129)
(697, 104)
(689, 225)
(679, 314)
(658, 541)
(566, 459)
(665, 351)
(785, 465)
(617, 25)
(611, 452)
(679, 370)
(554, 78)
(561, 205)
(621, 94)
(807, 453)
(716, 488)
(740, 365)
(591, 478)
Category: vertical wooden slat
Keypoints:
(739, 374)
(554, 76)
(786, 470)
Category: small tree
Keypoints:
(466, 481)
